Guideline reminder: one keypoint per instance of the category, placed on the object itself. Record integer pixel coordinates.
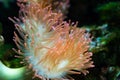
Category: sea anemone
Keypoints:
(53, 48)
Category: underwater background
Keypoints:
(100, 17)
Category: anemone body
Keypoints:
(51, 46)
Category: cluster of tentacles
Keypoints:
(53, 48)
